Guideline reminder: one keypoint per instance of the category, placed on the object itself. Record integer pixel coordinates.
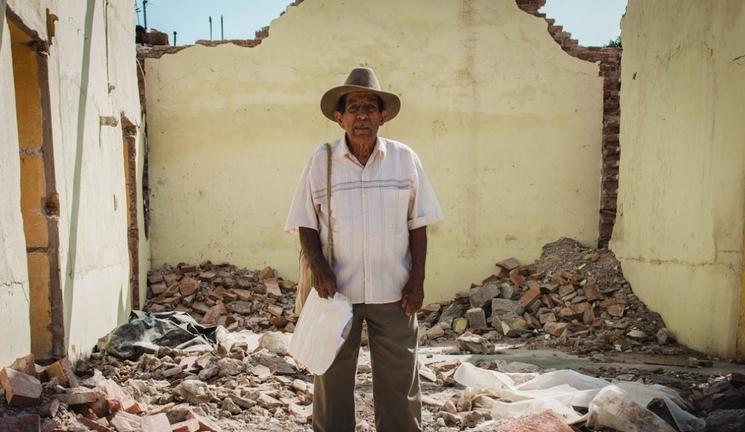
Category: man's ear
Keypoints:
(338, 116)
(383, 117)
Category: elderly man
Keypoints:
(381, 204)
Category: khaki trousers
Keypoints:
(393, 341)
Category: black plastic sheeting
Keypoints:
(147, 332)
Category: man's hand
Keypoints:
(412, 295)
(325, 278)
(325, 281)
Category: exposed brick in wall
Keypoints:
(610, 70)
(129, 138)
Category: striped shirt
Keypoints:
(373, 207)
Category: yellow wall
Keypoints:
(89, 171)
(682, 183)
(14, 284)
(508, 127)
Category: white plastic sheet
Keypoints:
(320, 332)
(613, 408)
(622, 405)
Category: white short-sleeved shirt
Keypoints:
(373, 207)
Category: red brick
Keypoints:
(188, 286)
(93, 425)
(509, 264)
(124, 421)
(25, 423)
(78, 396)
(20, 389)
(554, 328)
(205, 424)
(616, 310)
(62, 370)
(214, 313)
(591, 291)
(546, 421)
(566, 290)
(191, 425)
(517, 278)
(530, 296)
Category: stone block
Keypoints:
(476, 318)
(482, 295)
(156, 423)
(460, 325)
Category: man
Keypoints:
(381, 205)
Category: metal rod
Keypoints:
(174, 37)
(210, 27)
(144, 12)
(222, 29)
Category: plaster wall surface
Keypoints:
(14, 284)
(507, 125)
(91, 74)
(682, 191)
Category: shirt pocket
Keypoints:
(395, 208)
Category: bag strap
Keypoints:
(328, 206)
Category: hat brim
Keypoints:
(330, 100)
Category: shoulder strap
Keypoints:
(328, 206)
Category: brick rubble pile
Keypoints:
(225, 295)
(572, 296)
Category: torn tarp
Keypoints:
(146, 332)
(619, 405)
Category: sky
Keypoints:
(592, 22)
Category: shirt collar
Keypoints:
(340, 148)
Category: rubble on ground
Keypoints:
(241, 378)
(223, 294)
(572, 296)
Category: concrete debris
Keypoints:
(248, 382)
(572, 296)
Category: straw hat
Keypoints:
(360, 79)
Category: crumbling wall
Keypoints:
(90, 82)
(682, 190)
(507, 124)
(14, 285)
(609, 59)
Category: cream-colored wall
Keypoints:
(14, 284)
(88, 156)
(682, 170)
(507, 125)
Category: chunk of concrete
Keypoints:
(482, 295)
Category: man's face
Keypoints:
(362, 116)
